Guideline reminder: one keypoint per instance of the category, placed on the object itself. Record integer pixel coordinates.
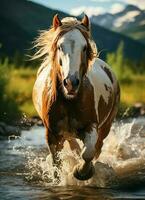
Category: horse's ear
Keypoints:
(85, 21)
(56, 21)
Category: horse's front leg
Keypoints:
(55, 145)
(85, 170)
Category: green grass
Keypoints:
(20, 88)
(134, 91)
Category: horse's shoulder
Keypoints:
(102, 79)
(100, 74)
(100, 67)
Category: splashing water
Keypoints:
(121, 162)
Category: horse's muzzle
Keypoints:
(71, 84)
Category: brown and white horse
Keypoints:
(76, 94)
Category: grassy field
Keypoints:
(20, 88)
(134, 91)
(21, 83)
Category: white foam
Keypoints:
(123, 154)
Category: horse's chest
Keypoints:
(68, 127)
(76, 116)
(72, 120)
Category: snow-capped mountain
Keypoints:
(130, 21)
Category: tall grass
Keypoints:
(8, 107)
(22, 91)
(131, 76)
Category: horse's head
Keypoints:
(72, 53)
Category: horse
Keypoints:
(76, 94)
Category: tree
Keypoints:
(119, 64)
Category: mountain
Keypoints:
(130, 21)
(20, 21)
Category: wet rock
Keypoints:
(138, 109)
(36, 121)
(7, 130)
(26, 123)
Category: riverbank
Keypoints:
(15, 128)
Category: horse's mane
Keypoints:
(46, 43)
(47, 40)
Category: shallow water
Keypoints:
(26, 170)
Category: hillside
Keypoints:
(20, 21)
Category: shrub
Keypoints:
(120, 65)
(8, 108)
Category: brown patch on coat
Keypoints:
(104, 130)
(108, 72)
(104, 108)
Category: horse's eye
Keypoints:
(85, 48)
(60, 62)
(60, 48)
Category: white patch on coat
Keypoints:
(90, 141)
(72, 44)
(98, 79)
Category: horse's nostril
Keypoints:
(73, 82)
(77, 82)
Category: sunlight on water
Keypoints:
(122, 158)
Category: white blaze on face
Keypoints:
(70, 47)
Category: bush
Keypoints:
(8, 108)
(120, 65)
(131, 76)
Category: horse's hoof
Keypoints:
(87, 174)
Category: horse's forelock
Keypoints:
(91, 49)
(46, 43)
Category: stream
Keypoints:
(26, 170)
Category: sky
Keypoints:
(90, 7)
